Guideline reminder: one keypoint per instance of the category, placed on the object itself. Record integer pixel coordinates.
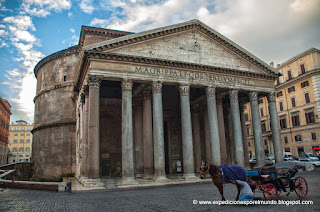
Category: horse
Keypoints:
(219, 177)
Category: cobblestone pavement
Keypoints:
(172, 198)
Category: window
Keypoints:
(293, 101)
(291, 89)
(16, 128)
(313, 136)
(29, 128)
(289, 75)
(260, 101)
(27, 149)
(15, 141)
(307, 97)
(302, 69)
(22, 128)
(246, 117)
(21, 134)
(279, 94)
(261, 112)
(278, 81)
(263, 127)
(305, 84)
(21, 141)
(265, 142)
(64, 78)
(249, 144)
(298, 138)
(14, 149)
(16, 134)
(21, 149)
(280, 106)
(309, 116)
(28, 134)
(285, 140)
(283, 122)
(248, 129)
(245, 107)
(28, 141)
(295, 119)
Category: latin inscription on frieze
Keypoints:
(189, 75)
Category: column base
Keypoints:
(259, 164)
(190, 177)
(128, 181)
(138, 175)
(90, 183)
(148, 176)
(161, 179)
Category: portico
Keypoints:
(157, 103)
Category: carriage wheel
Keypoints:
(301, 187)
(270, 192)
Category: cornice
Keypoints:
(195, 24)
(288, 62)
(298, 78)
(58, 123)
(54, 56)
(160, 62)
(62, 85)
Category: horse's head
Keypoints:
(204, 169)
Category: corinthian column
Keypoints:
(196, 137)
(158, 136)
(147, 134)
(138, 137)
(93, 127)
(236, 124)
(257, 132)
(187, 146)
(127, 134)
(222, 133)
(275, 127)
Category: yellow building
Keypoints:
(20, 142)
(298, 105)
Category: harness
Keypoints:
(214, 175)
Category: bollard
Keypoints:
(68, 188)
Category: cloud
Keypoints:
(262, 27)
(72, 30)
(86, 6)
(43, 8)
(70, 14)
(21, 81)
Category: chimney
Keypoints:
(272, 65)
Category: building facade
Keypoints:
(20, 142)
(5, 113)
(298, 104)
(150, 104)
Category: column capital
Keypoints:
(253, 95)
(211, 91)
(126, 85)
(233, 94)
(94, 81)
(156, 87)
(184, 90)
(147, 92)
(219, 99)
(195, 108)
(271, 97)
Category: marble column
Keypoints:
(222, 133)
(81, 138)
(275, 128)
(147, 134)
(257, 132)
(138, 137)
(196, 137)
(244, 137)
(207, 136)
(93, 126)
(236, 124)
(85, 147)
(213, 125)
(127, 134)
(158, 135)
(186, 128)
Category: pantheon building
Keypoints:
(150, 105)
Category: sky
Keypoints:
(30, 30)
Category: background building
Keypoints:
(298, 105)
(5, 112)
(20, 142)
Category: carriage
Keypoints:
(271, 180)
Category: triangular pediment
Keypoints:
(190, 42)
